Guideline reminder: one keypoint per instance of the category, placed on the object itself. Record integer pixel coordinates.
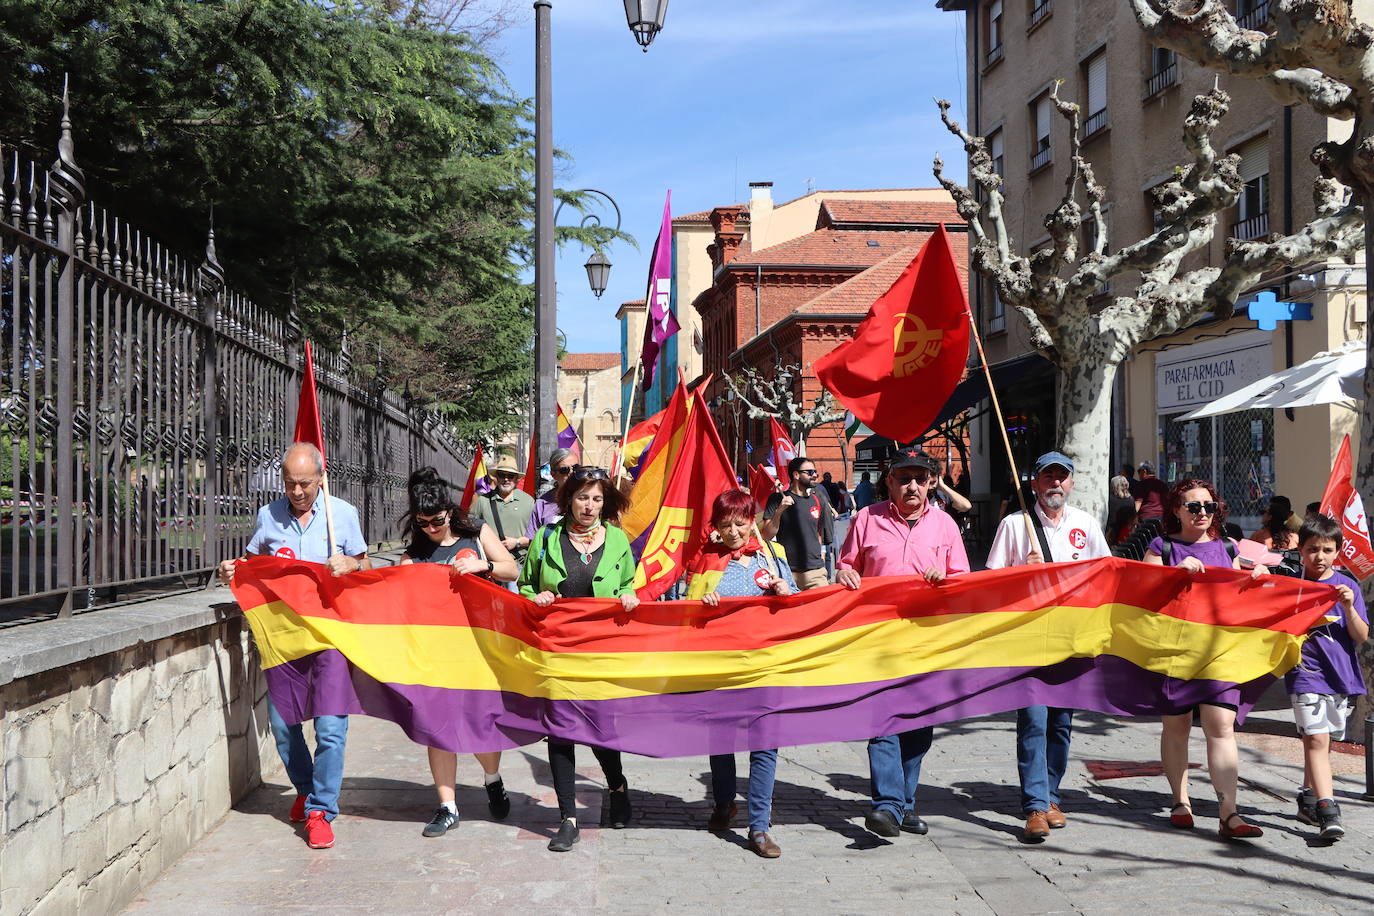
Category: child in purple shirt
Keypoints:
(1327, 679)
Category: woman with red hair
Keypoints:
(1193, 516)
(735, 564)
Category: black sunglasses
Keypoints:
(587, 472)
(437, 521)
(1197, 508)
(563, 469)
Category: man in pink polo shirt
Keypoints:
(902, 536)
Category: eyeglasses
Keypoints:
(587, 472)
(1197, 508)
(810, 472)
(563, 469)
(437, 521)
(507, 476)
(904, 479)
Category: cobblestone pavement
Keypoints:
(1118, 854)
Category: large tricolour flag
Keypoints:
(660, 323)
(1342, 502)
(308, 428)
(567, 433)
(909, 353)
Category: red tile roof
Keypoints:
(704, 216)
(589, 362)
(836, 248)
(887, 212)
(859, 292)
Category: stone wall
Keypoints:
(127, 735)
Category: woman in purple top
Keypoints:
(1193, 516)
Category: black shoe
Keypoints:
(912, 823)
(498, 802)
(1328, 817)
(722, 817)
(1307, 806)
(443, 821)
(882, 822)
(566, 838)
(619, 807)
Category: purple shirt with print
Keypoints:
(1329, 664)
(1208, 553)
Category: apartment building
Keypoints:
(1133, 99)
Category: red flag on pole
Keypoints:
(909, 353)
(761, 485)
(782, 450)
(531, 481)
(1342, 502)
(477, 472)
(308, 410)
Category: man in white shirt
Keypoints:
(1062, 534)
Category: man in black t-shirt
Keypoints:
(802, 520)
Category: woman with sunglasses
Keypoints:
(440, 532)
(583, 555)
(1193, 516)
(546, 511)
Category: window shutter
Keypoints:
(1254, 159)
(996, 145)
(1042, 119)
(1097, 84)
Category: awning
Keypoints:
(1334, 377)
(975, 388)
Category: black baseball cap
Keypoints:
(914, 458)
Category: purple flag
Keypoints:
(660, 323)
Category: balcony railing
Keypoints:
(997, 322)
(1255, 17)
(1256, 227)
(1162, 80)
(994, 54)
(1038, 13)
(1097, 121)
(1040, 158)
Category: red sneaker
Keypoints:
(298, 810)
(318, 833)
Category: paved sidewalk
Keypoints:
(1118, 854)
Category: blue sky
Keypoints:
(788, 91)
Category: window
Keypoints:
(1252, 210)
(994, 28)
(1252, 14)
(575, 402)
(1040, 132)
(1152, 205)
(1039, 9)
(1163, 71)
(995, 151)
(997, 311)
(1095, 78)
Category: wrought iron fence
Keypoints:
(145, 405)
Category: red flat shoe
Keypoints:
(1243, 832)
(1183, 820)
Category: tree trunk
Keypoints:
(1364, 458)
(1084, 415)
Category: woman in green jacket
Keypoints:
(583, 555)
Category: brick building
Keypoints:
(793, 301)
(589, 390)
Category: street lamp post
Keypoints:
(645, 19)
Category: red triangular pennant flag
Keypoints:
(308, 409)
(477, 472)
(909, 353)
(1342, 502)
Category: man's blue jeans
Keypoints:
(763, 767)
(320, 777)
(894, 768)
(1042, 754)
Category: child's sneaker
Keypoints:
(1307, 806)
(1328, 819)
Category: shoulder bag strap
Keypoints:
(1040, 535)
(496, 516)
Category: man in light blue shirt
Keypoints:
(294, 527)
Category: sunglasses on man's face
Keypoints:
(563, 469)
(589, 473)
(437, 521)
(809, 472)
(1197, 508)
(507, 477)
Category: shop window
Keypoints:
(1095, 82)
(1234, 451)
(1252, 209)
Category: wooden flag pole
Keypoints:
(1002, 426)
(625, 425)
(328, 513)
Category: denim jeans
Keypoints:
(320, 777)
(1042, 754)
(894, 768)
(763, 766)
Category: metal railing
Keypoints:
(1097, 121)
(144, 407)
(994, 54)
(1040, 157)
(1255, 17)
(1038, 13)
(1255, 227)
(1162, 80)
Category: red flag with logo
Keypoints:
(308, 427)
(1342, 502)
(761, 485)
(475, 473)
(909, 353)
(781, 451)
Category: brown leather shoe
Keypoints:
(1055, 818)
(721, 817)
(1037, 826)
(761, 844)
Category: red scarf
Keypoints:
(715, 556)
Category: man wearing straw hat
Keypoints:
(295, 527)
(1057, 533)
(507, 508)
(903, 535)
